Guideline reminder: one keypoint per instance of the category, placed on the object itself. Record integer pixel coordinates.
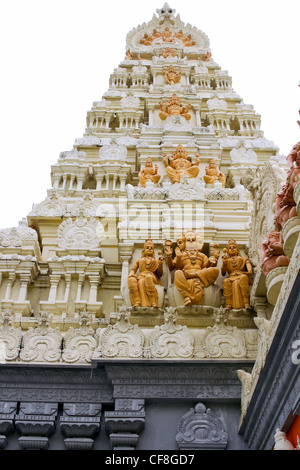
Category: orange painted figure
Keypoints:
(142, 285)
(194, 270)
(179, 165)
(213, 174)
(174, 107)
(149, 173)
(236, 285)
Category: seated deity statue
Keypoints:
(194, 271)
(213, 174)
(167, 36)
(236, 285)
(128, 55)
(173, 107)
(171, 75)
(272, 252)
(179, 165)
(149, 173)
(168, 52)
(142, 289)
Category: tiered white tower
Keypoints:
(64, 270)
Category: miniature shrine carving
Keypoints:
(272, 252)
(149, 173)
(179, 165)
(173, 107)
(142, 289)
(236, 285)
(194, 270)
(213, 174)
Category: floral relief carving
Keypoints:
(200, 428)
(42, 344)
(80, 343)
(120, 340)
(170, 339)
(223, 340)
(10, 337)
(80, 233)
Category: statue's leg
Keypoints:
(244, 286)
(134, 292)
(227, 291)
(151, 291)
(173, 175)
(184, 287)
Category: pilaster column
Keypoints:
(11, 280)
(54, 280)
(79, 287)
(94, 283)
(68, 286)
(24, 279)
(126, 251)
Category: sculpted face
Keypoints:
(149, 248)
(148, 162)
(180, 244)
(232, 249)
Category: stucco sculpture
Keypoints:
(173, 107)
(149, 173)
(194, 270)
(272, 252)
(179, 165)
(236, 285)
(142, 285)
(213, 174)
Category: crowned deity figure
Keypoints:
(236, 285)
(171, 75)
(167, 35)
(213, 174)
(149, 173)
(272, 252)
(285, 203)
(142, 289)
(179, 165)
(194, 271)
(173, 107)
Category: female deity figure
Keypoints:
(213, 174)
(149, 173)
(272, 252)
(179, 165)
(194, 270)
(236, 285)
(142, 285)
(173, 107)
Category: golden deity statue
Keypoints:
(236, 285)
(179, 165)
(168, 52)
(213, 174)
(149, 173)
(142, 285)
(167, 35)
(171, 75)
(194, 270)
(173, 107)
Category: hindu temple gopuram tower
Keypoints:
(151, 300)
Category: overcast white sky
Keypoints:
(57, 56)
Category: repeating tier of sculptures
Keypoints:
(194, 272)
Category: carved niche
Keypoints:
(201, 429)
